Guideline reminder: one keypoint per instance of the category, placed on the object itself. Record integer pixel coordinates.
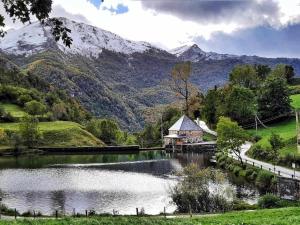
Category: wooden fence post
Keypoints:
(137, 211)
(86, 213)
(15, 213)
(56, 214)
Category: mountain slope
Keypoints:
(114, 77)
(87, 40)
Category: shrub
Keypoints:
(236, 170)
(35, 108)
(269, 201)
(258, 152)
(242, 205)
(256, 138)
(242, 173)
(265, 180)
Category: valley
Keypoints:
(113, 77)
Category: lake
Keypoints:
(102, 183)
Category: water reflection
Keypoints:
(99, 182)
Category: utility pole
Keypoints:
(162, 130)
(297, 129)
(255, 124)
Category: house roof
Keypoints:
(185, 124)
(204, 127)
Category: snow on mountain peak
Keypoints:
(195, 54)
(87, 40)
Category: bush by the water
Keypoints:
(193, 194)
(266, 180)
(269, 201)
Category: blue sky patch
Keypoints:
(96, 3)
(120, 9)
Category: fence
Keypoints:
(273, 168)
(13, 213)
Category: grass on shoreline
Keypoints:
(282, 216)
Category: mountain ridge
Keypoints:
(117, 84)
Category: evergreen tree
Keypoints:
(273, 97)
(210, 107)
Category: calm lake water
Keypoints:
(98, 182)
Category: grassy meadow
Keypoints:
(55, 134)
(14, 110)
(283, 216)
(60, 134)
(286, 129)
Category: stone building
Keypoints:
(184, 131)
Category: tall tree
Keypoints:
(236, 102)
(210, 107)
(285, 71)
(262, 71)
(273, 97)
(245, 76)
(29, 131)
(230, 137)
(180, 82)
(23, 10)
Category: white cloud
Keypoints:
(142, 24)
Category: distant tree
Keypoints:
(210, 107)
(23, 10)
(230, 137)
(2, 111)
(273, 97)
(59, 111)
(35, 108)
(149, 137)
(105, 129)
(245, 76)
(285, 71)
(262, 71)
(29, 131)
(237, 102)
(195, 105)
(276, 143)
(3, 136)
(180, 82)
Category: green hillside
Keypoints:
(13, 109)
(59, 115)
(286, 129)
(60, 134)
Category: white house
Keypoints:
(183, 131)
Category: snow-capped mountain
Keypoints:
(195, 54)
(87, 40)
(106, 75)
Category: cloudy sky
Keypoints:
(253, 27)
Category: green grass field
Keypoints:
(286, 129)
(61, 134)
(295, 101)
(284, 216)
(14, 110)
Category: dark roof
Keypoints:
(185, 124)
